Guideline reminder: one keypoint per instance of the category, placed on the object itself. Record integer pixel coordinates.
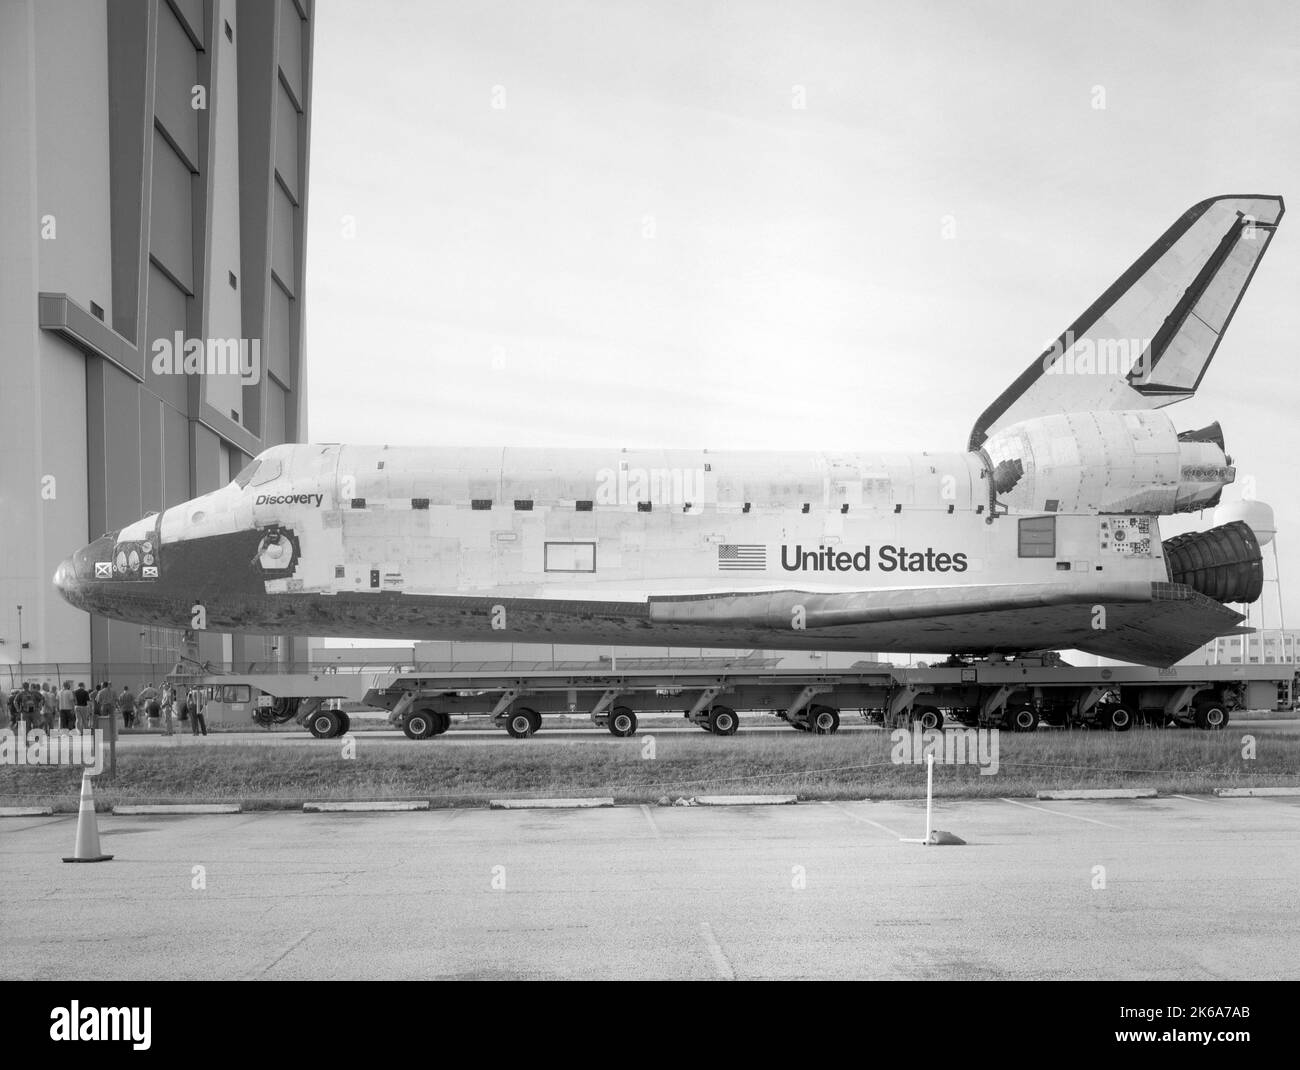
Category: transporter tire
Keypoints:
(442, 721)
(523, 722)
(420, 724)
(1119, 718)
(930, 717)
(345, 723)
(622, 722)
(1212, 717)
(823, 720)
(723, 721)
(324, 724)
(1023, 719)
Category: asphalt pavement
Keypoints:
(1165, 889)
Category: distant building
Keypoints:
(153, 200)
(1266, 647)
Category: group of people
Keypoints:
(68, 707)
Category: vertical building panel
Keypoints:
(171, 216)
(283, 246)
(121, 448)
(72, 197)
(176, 457)
(286, 140)
(192, 12)
(63, 518)
(290, 50)
(177, 76)
(280, 346)
(276, 400)
(165, 318)
(207, 454)
(129, 128)
(151, 462)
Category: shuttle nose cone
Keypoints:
(75, 578)
(66, 582)
(65, 576)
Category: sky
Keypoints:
(825, 226)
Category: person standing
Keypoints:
(81, 705)
(49, 706)
(105, 704)
(168, 698)
(126, 703)
(67, 702)
(198, 722)
(148, 702)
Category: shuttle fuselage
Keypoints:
(1044, 534)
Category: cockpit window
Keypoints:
(258, 471)
(269, 470)
(246, 473)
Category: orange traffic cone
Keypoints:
(87, 849)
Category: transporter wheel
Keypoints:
(1023, 719)
(442, 721)
(723, 721)
(928, 716)
(523, 722)
(419, 724)
(345, 723)
(622, 722)
(823, 720)
(325, 724)
(1119, 718)
(1212, 717)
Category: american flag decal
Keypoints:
(742, 557)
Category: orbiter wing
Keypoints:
(1147, 623)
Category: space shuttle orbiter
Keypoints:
(1044, 533)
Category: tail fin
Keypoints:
(1147, 341)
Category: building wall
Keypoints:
(131, 217)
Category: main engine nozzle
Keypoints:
(1224, 563)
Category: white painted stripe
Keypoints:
(1192, 798)
(363, 807)
(1099, 793)
(746, 800)
(178, 808)
(547, 804)
(720, 963)
(865, 820)
(26, 811)
(1058, 813)
(1255, 793)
